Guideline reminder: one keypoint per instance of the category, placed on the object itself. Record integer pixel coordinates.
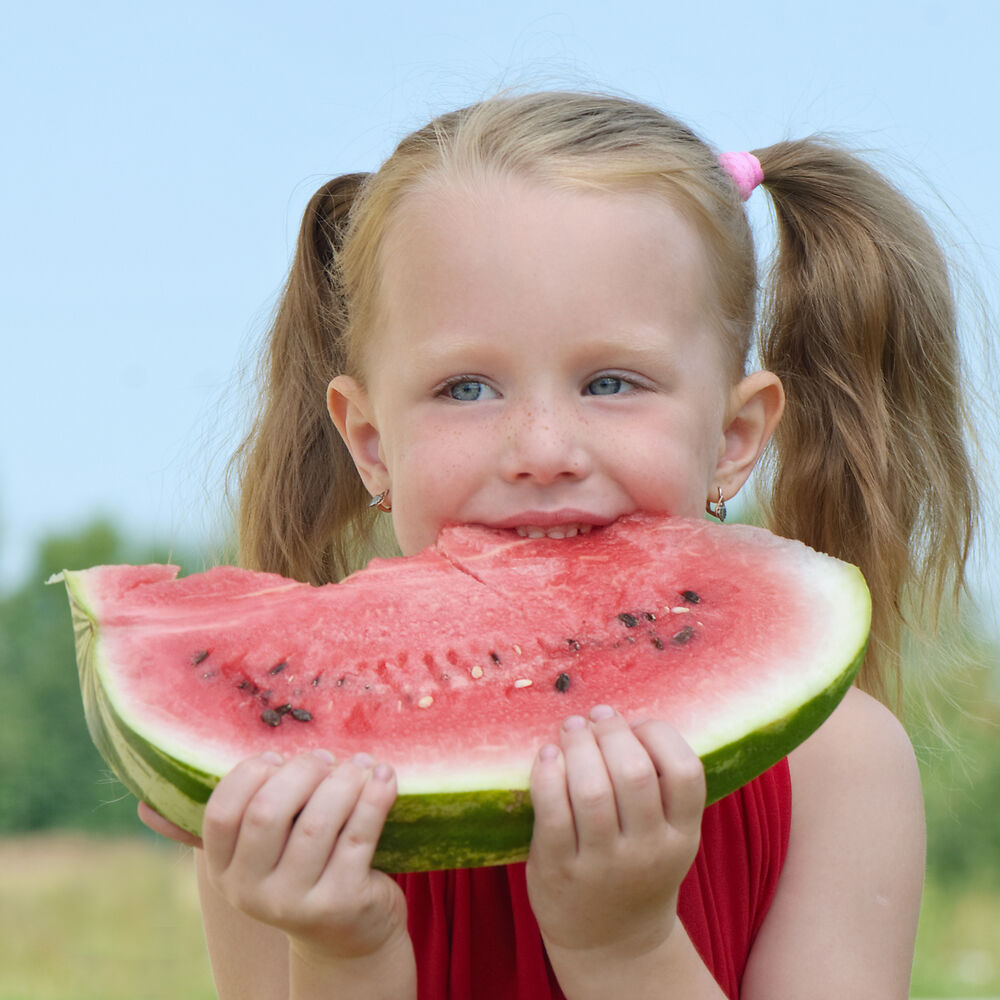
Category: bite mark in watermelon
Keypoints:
(456, 664)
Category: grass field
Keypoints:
(117, 919)
(99, 919)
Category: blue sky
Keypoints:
(157, 159)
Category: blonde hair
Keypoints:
(869, 463)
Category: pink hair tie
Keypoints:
(745, 170)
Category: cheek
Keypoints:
(672, 471)
(441, 456)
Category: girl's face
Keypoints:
(546, 362)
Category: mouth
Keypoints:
(565, 523)
(554, 531)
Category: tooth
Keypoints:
(536, 533)
(572, 530)
(523, 532)
(556, 533)
(585, 529)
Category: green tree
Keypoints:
(52, 776)
(961, 773)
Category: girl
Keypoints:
(536, 316)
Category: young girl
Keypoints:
(536, 316)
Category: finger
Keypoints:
(591, 796)
(355, 848)
(632, 772)
(323, 818)
(270, 814)
(227, 805)
(165, 828)
(682, 777)
(553, 833)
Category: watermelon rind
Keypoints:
(460, 820)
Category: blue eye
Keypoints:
(606, 385)
(468, 390)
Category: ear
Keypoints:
(755, 407)
(351, 413)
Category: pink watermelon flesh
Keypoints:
(455, 665)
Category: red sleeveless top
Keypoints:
(476, 938)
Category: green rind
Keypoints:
(424, 831)
(730, 767)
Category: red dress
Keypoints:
(476, 938)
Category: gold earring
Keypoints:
(720, 507)
(381, 501)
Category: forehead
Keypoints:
(495, 248)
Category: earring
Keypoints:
(720, 507)
(381, 501)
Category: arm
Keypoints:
(844, 918)
(291, 906)
(249, 959)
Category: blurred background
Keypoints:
(156, 163)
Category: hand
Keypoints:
(158, 824)
(617, 826)
(291, 844)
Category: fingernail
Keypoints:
(599, 712)
(575, 722)
(324, 755)
(272, 757)
(363, 759)
(548, 752)
(382, 772)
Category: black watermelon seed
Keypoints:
(629, 621)
(573, 644)
(283, 709)
(316, 680)
(199, 656)
(301, 715)
(657, 642)
(562, 682)
(264, 695)
(495, 657)
(649, 616)
(278, 667)
(684, 635)
(691, 597)
(271, 717)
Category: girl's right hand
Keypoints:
(291, 843)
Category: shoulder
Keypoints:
(862, 744)
(854, 870)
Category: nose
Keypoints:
(544, 444)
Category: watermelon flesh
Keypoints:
(456, 664)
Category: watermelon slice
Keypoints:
(455, 665)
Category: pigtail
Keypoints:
(301, 502)
(870, 461)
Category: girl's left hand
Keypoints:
(617, 825)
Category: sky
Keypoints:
(157, 158)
